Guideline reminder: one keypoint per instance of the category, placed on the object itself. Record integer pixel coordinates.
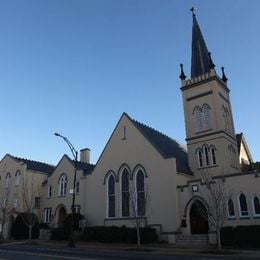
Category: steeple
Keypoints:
(201, 61)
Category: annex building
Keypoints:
(146, 174)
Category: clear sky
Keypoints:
(74, 66)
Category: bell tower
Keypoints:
(210, 133)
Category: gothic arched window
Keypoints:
(17, 178)
(206, 154)
(198, 119)
(206, 117)
(231, 209)
(7, 180)
(200, 157)
(256, 206)
(111, 196)
(63, 185)
(125, 193)
(213, 155)
(140, 190)
(243, 205)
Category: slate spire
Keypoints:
(201, 61)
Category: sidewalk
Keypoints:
(163, 249)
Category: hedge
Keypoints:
(115, 234)
(241, 236)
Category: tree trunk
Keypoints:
(30, 232)
(138, 234)
(219, 239)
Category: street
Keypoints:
(25, 251)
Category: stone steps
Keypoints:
(192, 241)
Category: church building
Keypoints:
(144, 174)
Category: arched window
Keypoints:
(7, 180)
(198, 119)
(125, 193)
(231, 209)
(256, 206)
(62, 185)
(206, 154)
(243, 205)
(17, 178)
(213, 155)
(227, 119)
(140, 190)
(206, 117)
(111, 196)
(200, 158)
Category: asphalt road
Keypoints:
(28, 252)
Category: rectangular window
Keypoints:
(77, 209)
(47, 215)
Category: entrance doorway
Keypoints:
(198, 218)
(62, 216)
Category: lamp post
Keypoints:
(71, 242)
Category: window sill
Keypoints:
(207, 167)
(203, 131)
(61, 196)
(256, 217)
(244, 217)
(232, 218)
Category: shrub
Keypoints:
(114, 234)
(241, 236)
(21, 231)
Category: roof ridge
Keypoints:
(152, 128)
(30, 160)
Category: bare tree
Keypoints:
(138, 205)
(6, 206)
(216, 196)
(27, 202)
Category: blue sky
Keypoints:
(75, 66)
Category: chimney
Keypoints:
(85, 155)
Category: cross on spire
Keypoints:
(193, 10)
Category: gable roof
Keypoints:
(87, 168)
(165, 145)
(35, 165)
(241, 140)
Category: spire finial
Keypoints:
(224, 78)
(193, 10)
(182, 75)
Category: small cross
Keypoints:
(193, 10)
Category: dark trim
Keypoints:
(107, 174)
(199, 82)
(232, 218)
(223, 177)
(213, 133)
(135, 171)
(200, 95)
(121, 168)
(204, 131)
(223, 97)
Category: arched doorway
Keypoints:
(198, 218)
(62, 215)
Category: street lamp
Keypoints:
(71, 242)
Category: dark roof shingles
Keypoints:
(36, 166)
(167, 147)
